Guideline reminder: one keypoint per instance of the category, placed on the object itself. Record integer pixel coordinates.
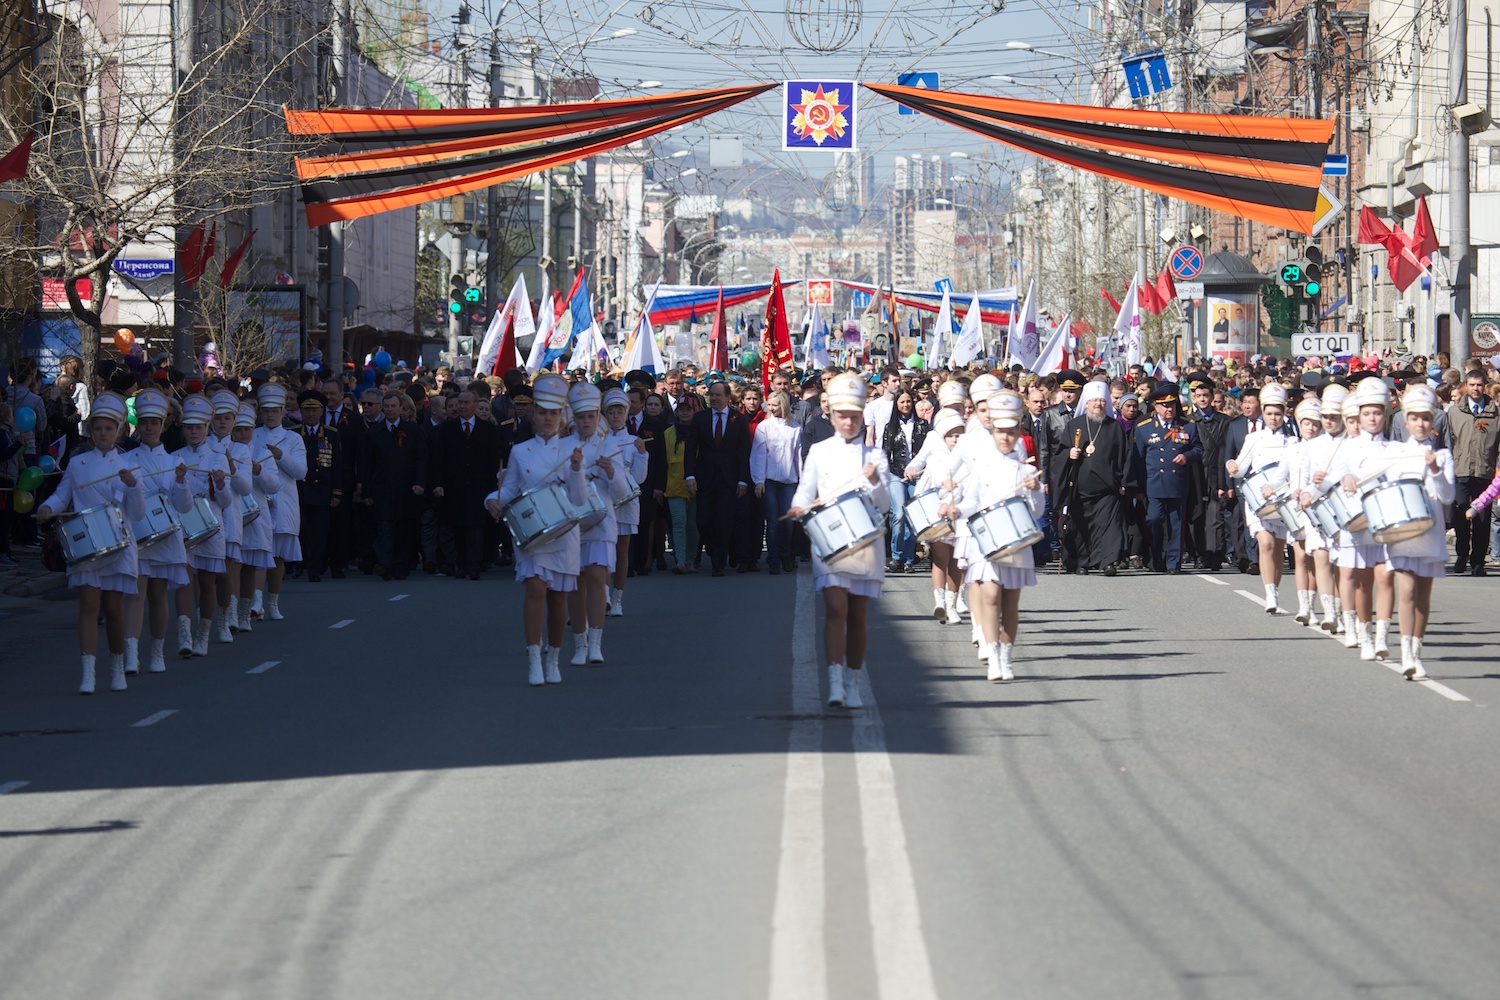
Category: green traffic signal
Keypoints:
(1313, 289)
(471, 295)
(455, 307)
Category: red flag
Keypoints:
(190, 257)
(775, 339)
(505, 360)
(718, 340)
(1424, 242)
(13, 164)
(209, 245)
(1114, 303)
(1146, 296)
(1166, 288)
(1372, 229)
(1403, 264)
(232, 262)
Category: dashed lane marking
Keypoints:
(400, 597)
(342, 624)
(263, 667)
(12, 786)
(154, 718)
(1213, 580)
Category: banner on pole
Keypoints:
(818, 114)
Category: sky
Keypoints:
(691, 44)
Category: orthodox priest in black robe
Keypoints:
(1098, 463)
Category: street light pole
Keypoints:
(1458, 183)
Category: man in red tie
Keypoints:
(717, 466)
(465, 461)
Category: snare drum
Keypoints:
(1347, 510)
(1289, 509)
(540, 515)
(632, 488)
(1397, 510)
(249, 509)
(200, 522)
(1253, 487)
(1321, 513)
(159, 522)
(92, 534)
(842, 526)
(922, 515)
(1004, 528)
(594, 506)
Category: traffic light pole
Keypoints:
(1458, 183)
(457, 259)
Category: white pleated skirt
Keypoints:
(287, 547)
(527, 569)
(1435, 569)
(859, 586)
(597, 554)
(1008, 577)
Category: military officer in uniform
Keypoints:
(1205, 507)
(1053, 445)
(1165, 449)
(321, 491)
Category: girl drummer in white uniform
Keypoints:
(289, 462)
(629, 454)
(596, 545)
(833, 467)
(226, 409)
(1418, 561)
(163, 562)
(1316, 457)
(975, 440)
(1305, 540)
(1363, 451)
(257, 551)
(207, 477)
(101, 477)
(1266, 451)
(993, 477)
(937, 463)
(549, 570)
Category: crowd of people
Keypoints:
(312, 472)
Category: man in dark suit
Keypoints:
(464, 462)
(717, 467)
(1205, 508)
(321, 491)
(341, 415)
(397, 478)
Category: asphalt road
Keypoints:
(1178, 797)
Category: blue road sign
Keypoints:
(1146, 74)
(923, 81)
(1187, 263)
(1335, 166)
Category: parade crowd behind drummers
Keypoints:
(308, 472)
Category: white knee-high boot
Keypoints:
(534, 675)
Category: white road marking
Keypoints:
(1214, 580)
(263, 667)
(799, 966)
(903, 970)
(400, 597)
(13, 786)
(346, 621)
(154, 718)
(1392, 664)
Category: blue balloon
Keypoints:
(47, 464)
(26, 419)
(383, 360)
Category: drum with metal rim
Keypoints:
(92, 534)
(1347, 510)
(843, 525)
(159, 522)
(632, 488)
(1321, 513)
(594, 507)
(922, 514)
(1288, 509)
(1253, 488)
(1004, 528)
(1397, 510)
(540, 515)
(200, 522)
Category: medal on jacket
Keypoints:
(1089, 450)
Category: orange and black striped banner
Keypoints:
(380, 160)
(1266, 169)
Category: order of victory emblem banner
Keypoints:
(818, 114)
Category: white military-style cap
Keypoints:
(197, 410)
(848, 392)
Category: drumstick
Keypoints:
(829, 496)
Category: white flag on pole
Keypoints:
(1025, 341)
(1128, 323)
(970, 337)
(942, 331)
(815, 350)
(517, 306)
(1050, 360)
(642, 351)
(543, 331)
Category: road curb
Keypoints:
(37, 586)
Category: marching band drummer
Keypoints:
(1305, 541)
(1371, 399)
(596, 545)
(631, 453)
(207, 476)
(289, 461)
(162, 563)
(549, 571)
(1262, 450)
(937, 463)
(1416, 562)
(1315, 459)
(97, 477)
(832, 467)
(226, 409)
(975, 441)
(998, 583)
(1342, 549)
(257, 549)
